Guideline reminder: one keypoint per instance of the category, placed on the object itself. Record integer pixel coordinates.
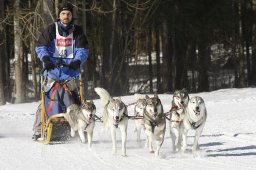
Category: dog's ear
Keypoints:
(201, 99)
(184, 90)
(84, 101)
(156, 95)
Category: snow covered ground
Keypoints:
(228, 140)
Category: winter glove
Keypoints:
(48, 65)
(75, 64)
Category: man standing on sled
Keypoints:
(62, 48)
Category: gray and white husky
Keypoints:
(81, 119)
(179, 103)
(195, 118)
(155, 123)
(115, 116)
(139, 111)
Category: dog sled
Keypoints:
(56, 94)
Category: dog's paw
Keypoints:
(124, 155)
(72, 133)
(157, 155)
(89, 148)
(195, 148)
(196, 154)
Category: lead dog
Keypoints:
(115, 116)
(155, 123)
(81, 119)
(195, 118)
(177, 113)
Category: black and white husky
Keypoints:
(81, 119)
(195, 118)
(179, 103)
(155, 123)
(115, 116)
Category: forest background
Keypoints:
(136, 46)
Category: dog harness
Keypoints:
(194, 124)
(175, 109)
(153, 123)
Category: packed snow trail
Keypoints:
(228, 140)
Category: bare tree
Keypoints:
(84, 71)
(242, 78)
(149, 52)
(2, 54)
(167, 62)
(18, 56)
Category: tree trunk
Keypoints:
(149, 51)
(247, 29)
(193, 61)
(180, 49)
(2, 54)
(235, 42)
(84, 71)
(166, 49)
(18, 55)
(203, 55)
(158, 66)
(56, 3)
(48, 12)
(253, 48)
(106, 36)
(242, 79)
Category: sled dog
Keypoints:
(115, 116)
(139, 111)
(81, 119)
(155, 123)
(179, 103)
(195, 118)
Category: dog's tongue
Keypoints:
(197, 112)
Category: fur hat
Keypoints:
(65, 6)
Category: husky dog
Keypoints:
(177, 112)
(195, 118)
(81, 119)
(155, 123)
(139, 110)
(115, 116)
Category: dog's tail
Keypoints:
(104, 95)
(139, 96)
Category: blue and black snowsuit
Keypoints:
(61, 45)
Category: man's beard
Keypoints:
(65, 21)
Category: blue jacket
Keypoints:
(46, 47)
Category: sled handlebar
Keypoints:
(57, 65)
